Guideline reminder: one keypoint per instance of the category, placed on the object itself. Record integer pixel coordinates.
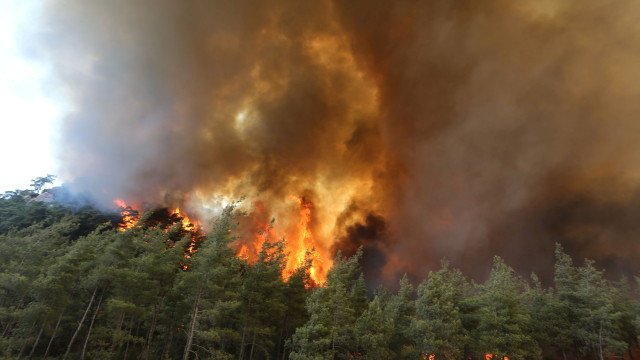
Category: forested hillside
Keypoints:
(73, 286)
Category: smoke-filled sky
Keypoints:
(417, 129)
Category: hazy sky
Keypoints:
(29, 110)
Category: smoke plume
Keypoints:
(417, 129)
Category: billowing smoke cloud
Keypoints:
(370, 237)
(515, 124)
(469, 128)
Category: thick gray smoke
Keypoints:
(466, 128)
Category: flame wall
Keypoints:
(417, 129)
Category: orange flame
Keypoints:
(243, 253)
(193, 227)
(298, 235)
(187, 223)
(130, 216)
(490, 357)
(299, 241)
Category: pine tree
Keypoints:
(373, 331)
(504, 324)
(211, 286)
(584, 309)
(597, 315)
(295, 297)
(262, 300)
(401, 310)
(437, 325)
(329, 333)
(563, 305)
(539, 305)
(627, 309)
(73, 286)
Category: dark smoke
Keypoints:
(469, 127)
(371, 238)
(502, 116)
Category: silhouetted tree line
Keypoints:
(73, 287)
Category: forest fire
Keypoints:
(299, 240)
(402, 144)
(490, 356)
(301, 244)
(130, 216)
(187, 223)
(194, 229)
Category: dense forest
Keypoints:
(73, 286)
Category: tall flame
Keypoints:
(299, 237)
(193, 227)
(300, 242)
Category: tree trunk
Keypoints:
(253, 345)
(53, 335)
(600, 342)
(35, 344)
(280, 346)
(152, 329)
(244, 331)
(333, 337)
(10, 324)
(167, 344)
(192, 328)
(114, 344)
(137, 330)
(24, 345)
(6, 328)
(93, 319)
(84, 316)
(126, 348)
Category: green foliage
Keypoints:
(401, 309)
(592, 319)
(504, 323)
(437, 325)
(374, 330)
(73, 286)
(19, 211)
(329, 333)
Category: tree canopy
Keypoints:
(74, 286)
